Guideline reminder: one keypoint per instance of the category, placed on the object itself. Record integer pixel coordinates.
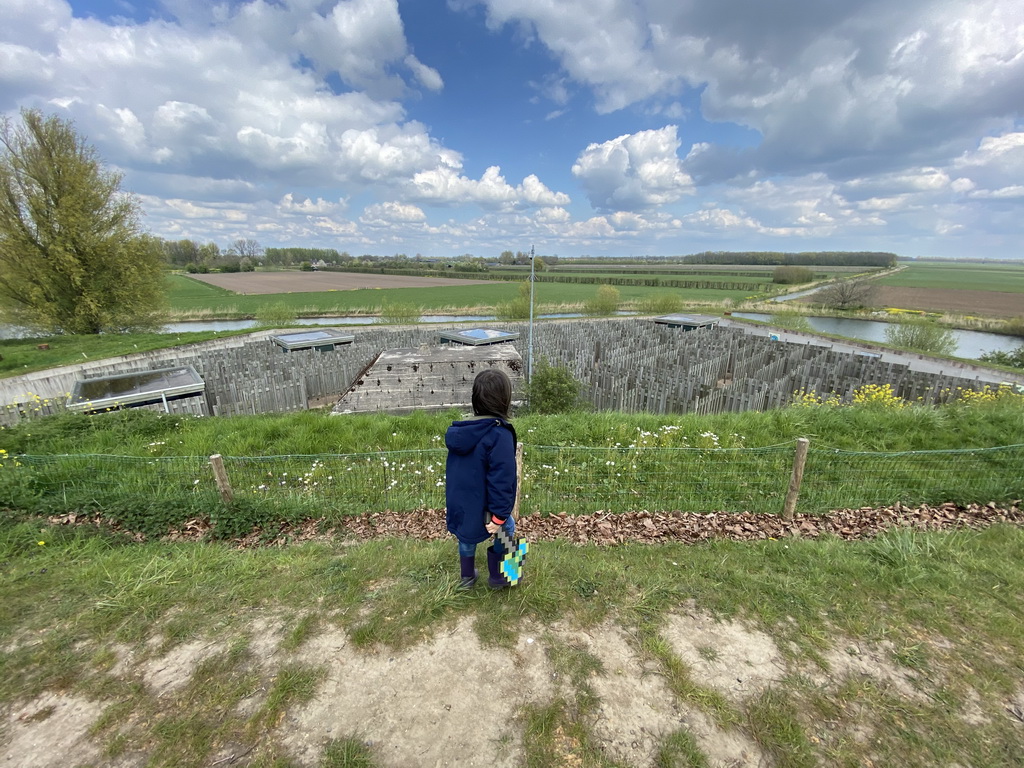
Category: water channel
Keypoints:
(13, 332)
(970, 344)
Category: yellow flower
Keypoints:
(42, 543)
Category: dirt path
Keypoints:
(451, 702)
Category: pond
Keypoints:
(970, 344)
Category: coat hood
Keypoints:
(462, 437)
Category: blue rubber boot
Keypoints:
(495, 580)
(468, 573)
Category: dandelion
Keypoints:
(42, 543)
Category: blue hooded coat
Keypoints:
(480, 475)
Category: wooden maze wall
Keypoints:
(627, 365)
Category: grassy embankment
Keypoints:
(149, 473)
(86, 612)
(939, 611)
(24, 356)
(867, 428)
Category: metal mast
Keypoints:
(529, 353)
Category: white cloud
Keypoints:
(996, 163)
(825, 84)
(446, 185)
(1013, 192)
(391, 213)
(830, 121)
(308, 207)
(634, 171)
(227, 99)
(428, 76)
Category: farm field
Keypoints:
(190, 297)
(1002, 277)
(990, 289)
(315, 282)
(951, 301)
(688, 269)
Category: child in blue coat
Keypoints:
(480, 485)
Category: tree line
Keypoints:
(808, 258)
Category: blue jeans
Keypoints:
(469, 550)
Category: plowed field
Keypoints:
(993, 303)
(314, 282)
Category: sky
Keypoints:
(578, 127)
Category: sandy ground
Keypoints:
(314, 282)
(451, 702)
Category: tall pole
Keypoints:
(529, 352)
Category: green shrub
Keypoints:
(921, 336)
(604, 303)
(1013, 359)
(518, 308)
(662, 304)
(791, 321)
(1015, 326)
(790, 275)
(400, 314)
(552, 389)
(276, 315)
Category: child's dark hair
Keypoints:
(492, 393)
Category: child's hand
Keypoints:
(492, 528)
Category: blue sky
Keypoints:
(600, 127)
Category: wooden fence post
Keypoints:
(519, 479)
(796, 478)
(221, 476)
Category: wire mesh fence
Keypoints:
(157, 492)
(842, 479)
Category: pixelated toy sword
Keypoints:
(511, 565)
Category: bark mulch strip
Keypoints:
(608, 528)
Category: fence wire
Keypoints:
(556, 479)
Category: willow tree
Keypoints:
(72, 256)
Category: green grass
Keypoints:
(68, 602)
(147, 434)
(470, 299)
(181, 288)
(988, 276)
(23, 355)
(150, 472)
(680, 750)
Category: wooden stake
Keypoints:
(796, 478)
(221, 476)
